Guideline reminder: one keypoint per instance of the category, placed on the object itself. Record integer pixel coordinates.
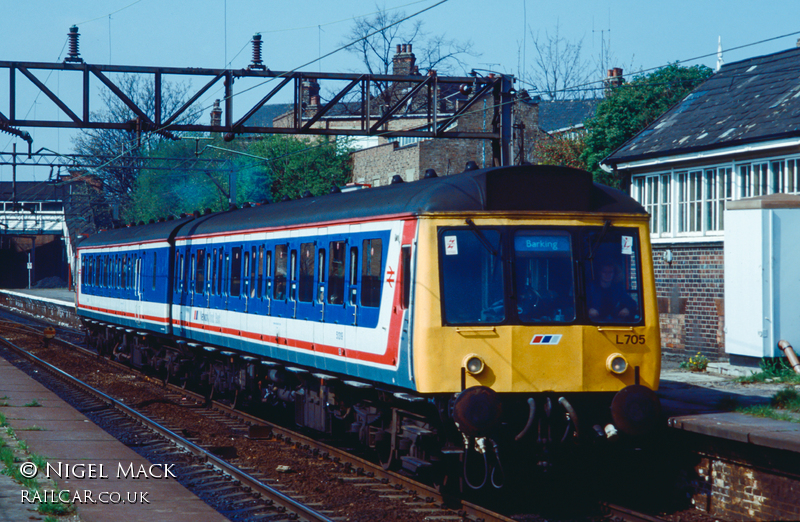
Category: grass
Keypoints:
(10, 460)
(772, 370)
(33, 404)
(783, 406)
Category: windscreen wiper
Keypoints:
(592, 248)
(482, 238)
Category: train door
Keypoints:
(370, 281)
(235, 263)
(217, 295)
(307, 309)
(338, 313)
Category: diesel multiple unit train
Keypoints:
(505, 311)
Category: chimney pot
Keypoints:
(409, 47)
(398, 48)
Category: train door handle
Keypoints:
(294, 312)
(355, 314)
(322, 311)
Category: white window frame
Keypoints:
(673, 206)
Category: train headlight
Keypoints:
(616, 363)
(474, 364)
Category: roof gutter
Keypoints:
(706, 154)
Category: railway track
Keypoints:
(231, 490)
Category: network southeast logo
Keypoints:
(546, 339)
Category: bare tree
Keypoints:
(377, 38)
(117, 155)
(560, 71)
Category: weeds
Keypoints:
(33, 404)
(698, 363)
(772, 370)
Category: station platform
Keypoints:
(66, 438)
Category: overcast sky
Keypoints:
(213, 33)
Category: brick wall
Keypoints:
(735, 491)
(691, 293)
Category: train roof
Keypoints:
(519, 188)
(153, 232)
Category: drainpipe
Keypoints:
(788, 351)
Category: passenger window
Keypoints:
(405, 278)
(253, 263)
(336, 273)
(353, 275)
(214, 273)
(236, 271)
(371, 272)
(268, 273)
(293, 275)
(199, 276)
(306, 280)
(281, 268)
(321, 275)
(155, 266)
(220, 269)
(260, 280)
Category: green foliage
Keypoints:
(560, 150)
(195, 174)
(786, 399)
(182, 177)
(773, 370)
(629, 108)
(297, 165)
(698, 363)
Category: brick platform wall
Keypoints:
(691, 296)
(737, 492)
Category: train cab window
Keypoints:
(236, 271)
(371, 272)
(281, 269)
(200, 272)
(155, 268)
(543, 281)
(612, 274)
(336, 272)
(472, 276)
(305, 282)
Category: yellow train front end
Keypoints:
(516, 311)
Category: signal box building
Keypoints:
(735, 137)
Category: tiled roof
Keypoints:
(563, 114)
(753, 100)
